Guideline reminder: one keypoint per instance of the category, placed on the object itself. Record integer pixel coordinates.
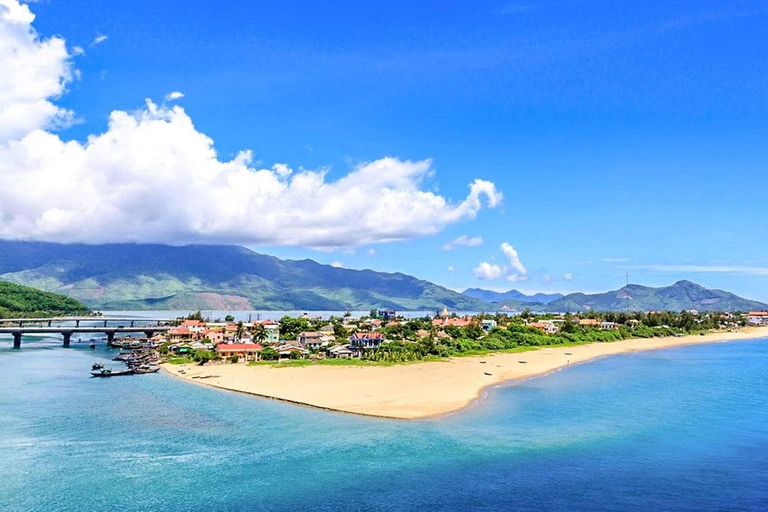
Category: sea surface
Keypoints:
(678, 429)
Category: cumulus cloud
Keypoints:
(173, 96)
(452, 269)
(487, 271)
(465, 241)
(153, 177)
(518, 270)
(32, 72)
(567, 277)
(514, 270)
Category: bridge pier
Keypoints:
(67, 338)
(149, 334)
(132, 322)
(77, 323)
(17, 340)
(110, 337)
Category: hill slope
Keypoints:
(680, 296)
(17, 300)
(131, 276)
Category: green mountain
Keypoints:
(17, 300)
(133, 276)
(511, 295)
(682, 295)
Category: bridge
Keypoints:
(77, 319)
(129, 326)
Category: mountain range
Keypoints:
(682, 295)
(134, 276)
(142, 276)
(511, 295)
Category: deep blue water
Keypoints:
(682, 429)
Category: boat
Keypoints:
(97, 366)
(92, 345)
(147, 368)
(107, 372)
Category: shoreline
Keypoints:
(421, 390)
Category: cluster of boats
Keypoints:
(137, 363)
(132, 343)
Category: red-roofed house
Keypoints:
(216, 336)
(194, 326)
(758, 317)
(366, 339)
(179, 334)
(244, 351)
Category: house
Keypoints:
(289, 351)
(545, 327)
(589, 322)
(243, 351)
(194, 326)
(758, 317)
(386, 314)
(609, 326)
(487, 324)
(178, 334)
(216, 336)
(366, 339)
(272, 329)
(341, 352)
(311, 339)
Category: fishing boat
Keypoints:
(147, 368)
(107, 372)
(97, 366)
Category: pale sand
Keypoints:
(419, 390)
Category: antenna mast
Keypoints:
(626, 291)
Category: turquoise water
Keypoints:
(683, 429)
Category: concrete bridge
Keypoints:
(68, 330)
(77, 319)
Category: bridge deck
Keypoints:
(75, 330)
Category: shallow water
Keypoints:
(683, 429)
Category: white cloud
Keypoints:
(519, 272)
(452, 269)
(547, 279)
(173, 96)
(32, 72)
(371, 253)
(337, 264)
(567, 277)
(78, 50)
(465, 241)
(153, 177)
(487, 271)
(100, 38)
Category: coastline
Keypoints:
(419, 390)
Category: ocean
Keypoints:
(678, 429)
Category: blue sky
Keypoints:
(624, 136)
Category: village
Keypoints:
(314, 338)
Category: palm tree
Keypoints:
(240, 331)
(259, 333)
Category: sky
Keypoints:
(549, 146)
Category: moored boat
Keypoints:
(106, 372)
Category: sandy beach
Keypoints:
(421, 390)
